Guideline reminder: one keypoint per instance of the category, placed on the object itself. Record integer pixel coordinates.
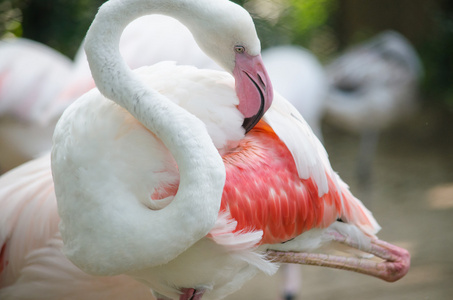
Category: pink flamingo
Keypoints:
(143, 193)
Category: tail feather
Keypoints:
(354, 212)
(340, 203)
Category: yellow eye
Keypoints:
(239, 49)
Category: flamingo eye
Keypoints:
(239, 49)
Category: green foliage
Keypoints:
(10, 20)
(311, 26)
(306, 16)
(301, 22)
(436, 53)
(61, 24)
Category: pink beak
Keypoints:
(253, 88)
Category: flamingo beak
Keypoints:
(389, 262)
(253, 88)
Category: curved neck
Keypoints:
(111, 74)
(202, 175)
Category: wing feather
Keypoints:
(48, 274)
(28, 214)
(279, 180)
(312, 162)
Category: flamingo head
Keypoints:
(253, 87)
(231, 40)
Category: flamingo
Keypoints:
(373, 86)
(140, 203)
(295, 72)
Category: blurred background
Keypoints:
(411, 185)
(324, 27)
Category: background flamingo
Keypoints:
(372, 86)
(299, 77)
(31, 75)
(293, 148)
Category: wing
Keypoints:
(309, 154)
(28, 214)
(48, 274)
(279, 180)
(311, 160)
(31, 76)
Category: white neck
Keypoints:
(102, 43)
(202, 175)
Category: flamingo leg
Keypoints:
(367, 152)
(291, 281)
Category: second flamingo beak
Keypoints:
(253, 88)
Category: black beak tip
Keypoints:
(249, 123)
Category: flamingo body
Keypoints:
(159, 172)
(235, 235)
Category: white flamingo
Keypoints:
(372, 86)
(129, 208)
